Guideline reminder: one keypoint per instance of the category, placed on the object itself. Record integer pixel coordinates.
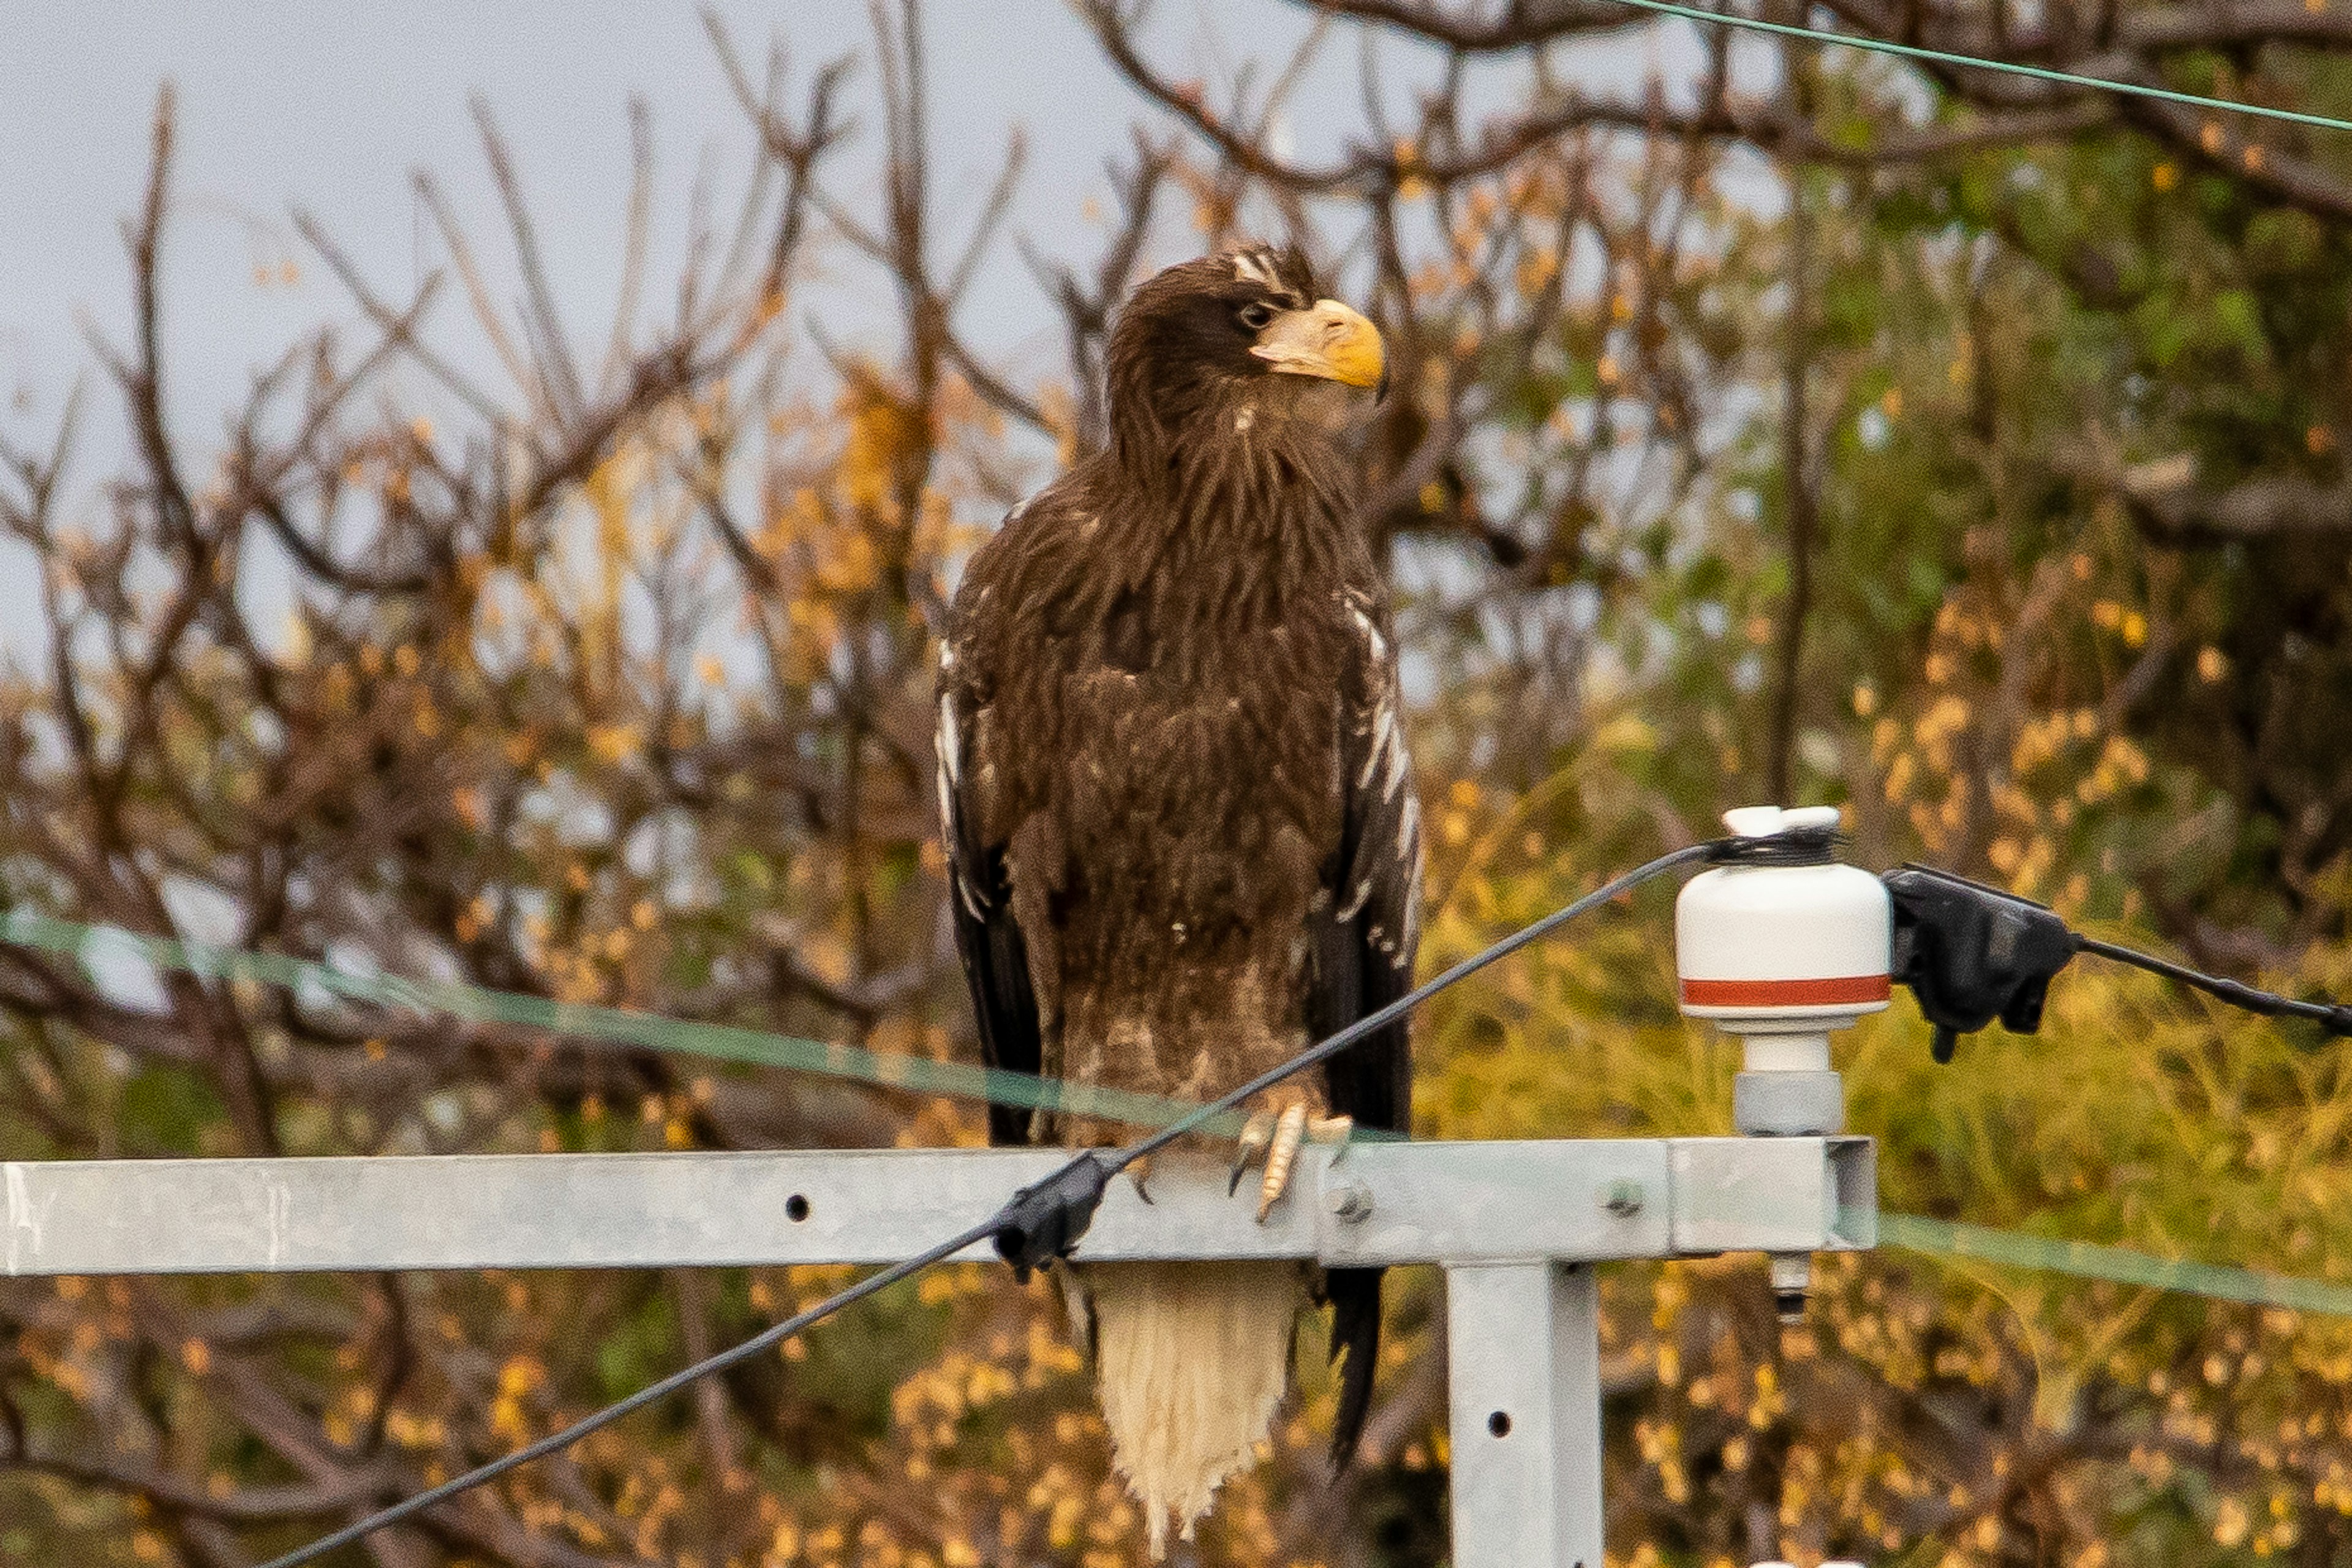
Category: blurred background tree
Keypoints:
(1783, 424)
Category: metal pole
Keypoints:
(1524, 1344)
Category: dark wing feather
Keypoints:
(1365, 956)
(995, 957)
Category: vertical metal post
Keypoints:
(1524, 1343)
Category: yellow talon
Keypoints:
(1289, 1131)
(1257, 1133)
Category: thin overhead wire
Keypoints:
(94, 945)
(1372, 1023)
(2335, 1017)
(767, 1340)
(1975, 62)
(2088, 1260)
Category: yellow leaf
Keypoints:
(614, 742)
(1627, 732)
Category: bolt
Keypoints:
(1348, 1200)
(1792, 1281)
(1622, 1197)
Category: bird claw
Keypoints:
(1138, 1173)
(1257, 1133)
(1289, 1131)
(1333, 1130)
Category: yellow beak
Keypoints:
(1329, 340)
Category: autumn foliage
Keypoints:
(1968, 456)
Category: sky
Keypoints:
(331, 108)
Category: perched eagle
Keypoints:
(1180, 822)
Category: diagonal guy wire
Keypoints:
(994, 1227)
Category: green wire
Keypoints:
(2087, 1260)
(91, 945)
(1971, 62)
(611, 1025)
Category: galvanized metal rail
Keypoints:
(1517, 1226)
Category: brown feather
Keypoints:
(1166, 677)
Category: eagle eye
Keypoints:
(1256, 315)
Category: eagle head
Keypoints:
(1242, 332)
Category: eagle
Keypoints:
(1182, 830)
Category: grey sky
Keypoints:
(331, 107)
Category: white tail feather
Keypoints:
(1192, 1359)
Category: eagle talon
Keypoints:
(1280, 1155)
(1138, 1173)
(1334, 1130)
(1257, 1133)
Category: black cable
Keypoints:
(2336, 1019)
(1717, 849)
(1971, 953)
(554, 1441)
(1043, 1220)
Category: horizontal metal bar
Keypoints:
(1774, 1195)
(1567, 1201)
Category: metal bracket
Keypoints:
(1516, 1225)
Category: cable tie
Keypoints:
(1043, 1220)
(1789, 846)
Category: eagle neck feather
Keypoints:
(1216, 526)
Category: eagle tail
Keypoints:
(1355, 1296)
(1191, 1359)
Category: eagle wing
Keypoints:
(1366, 947)
(995, 957)
(1365, 951)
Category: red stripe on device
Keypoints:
(1841, 990)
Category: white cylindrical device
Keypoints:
(1781, 949)
(1779, 952)
(1782, 954)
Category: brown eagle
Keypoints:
(1180, 823)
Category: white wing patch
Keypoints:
(1409, 852)
(950, 761)
(949, 774)
(1386, 761)
(1384, 740)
